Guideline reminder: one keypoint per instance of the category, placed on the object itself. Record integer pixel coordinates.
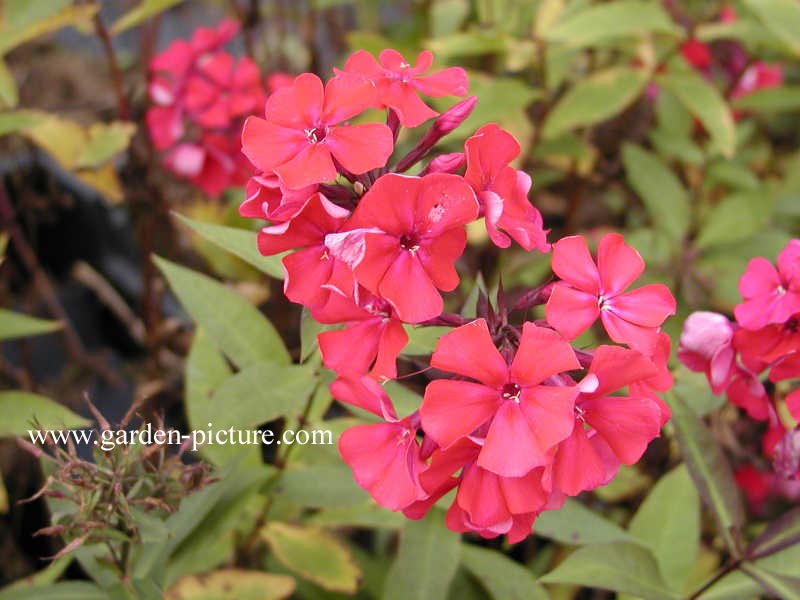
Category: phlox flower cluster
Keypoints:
(755, 359)
(199, 97)
(514, 417)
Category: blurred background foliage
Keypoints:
(622, 128)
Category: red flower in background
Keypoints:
(502, 190)
(300, 137)
(200, 95)
(397, 83)
(590, 290)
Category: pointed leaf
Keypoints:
(577, 525)
(238, 328)
(63, 590)
(668, 522)
(595, 99)
(704, 102)
(623, 18)
(17, 325)
(710, 471)
(12, 35)
(18, 410)
(781, 586)
(260, 393)
(661, 192)
(782, 18)
(239, 242)
(778, 99)
(314, 554)
(502, 577)
(780, 533)
(735, 218)
(620, 567)
(426, 561)
(143, 11)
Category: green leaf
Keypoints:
(737, 217)
(143, 11)
(595, 99)
(18, 410)
(239, 242)
(710, 471)
(668, 522)
(779, 534)
(663, 194)
(503, 578)
(576, 525)
(17, 325)
(9, 94)
(321, 486)
(313, 554)
(227, 584)
(426, 560)
(18, 120)
(704, 102)
(423, 339)
(238, 328)
(620, 567)
(64, 590)
(104, 141)
(260, 393)
(372, 516)
(80, 16)
(781, 17)
(778, 99)
(781, 586)
(623, 18)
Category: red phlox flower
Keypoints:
(404, 238)
(747, 392)
(764, 346)
(608, 430)
(397, 83)
(502, 190)
(770, 295)
(758, 486)
(266, 198)
(279, 80)
(385, 457)
(663, 381)
(589, 290)
(788, 368)
(300, 136)
(706, 346)
(313, 276)
(370, 342)
(525, 417)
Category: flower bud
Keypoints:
(443, 125)
(445, 163)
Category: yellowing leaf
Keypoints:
(75, 16)
(105, 180)
(142, 12)
(62, 138)
(232, 584)
(9, 96)
(104, 141)
(315, 555)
